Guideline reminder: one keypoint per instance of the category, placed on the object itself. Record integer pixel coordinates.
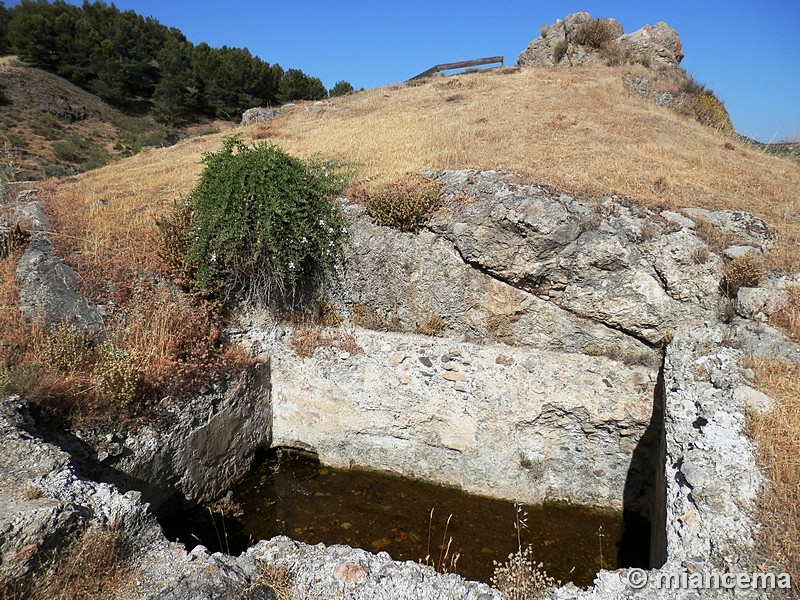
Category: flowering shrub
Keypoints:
(261, 224)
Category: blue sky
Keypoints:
(747, 52)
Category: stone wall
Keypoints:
(515, 423)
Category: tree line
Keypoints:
(125, 59)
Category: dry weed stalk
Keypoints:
(447, 562)
(520, 577)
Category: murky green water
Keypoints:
(291, 494)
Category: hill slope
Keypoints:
(581, 130)
(52, 128)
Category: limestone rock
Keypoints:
(657, 44)
(759, 303)
(257, 115)
(411, 277)
(559, 45)
(206, 447)
(596, 261)
(741, 224)
(49, 289)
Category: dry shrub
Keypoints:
(370, 318)
(595, 33)
(306, 341)
(430, 324)
(559, 51)
(615, 54)
(521, 578)
(175, 343)
(322, 313)
(90, 567)
(743, 271)
(175, 243)
(67, 347)
(277, 579)
(710, 111)
(776, 435)
(115, 377)
(700, 255)
(717, 238)
(11, 239)
(787, 317)
(405, 204)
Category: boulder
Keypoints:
(203, 448)
(561, 44)
(257, 115)
(613, 264)
(657, 44)
(49, 289)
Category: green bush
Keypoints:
(46, 125)
(262, 224)
(342, 88)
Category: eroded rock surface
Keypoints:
(560, 44)
(627, 268)
(513, 423)
(202, 450)
(49, 289)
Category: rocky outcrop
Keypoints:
(657, 44)
(197, 451)
(49, 288)
(629, 269)
(257, 115)
(564, 43)
(710, 480)
(409, 281)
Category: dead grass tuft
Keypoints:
(743, 271)
(430, 324)
(91, 567)
(787, 317)
(306, 341)
(277, 579)
(776, 435)
(405, 203)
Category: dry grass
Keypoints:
(306, 341)
(578, 129)
(91, 568)
(776, 434)
(277, 579)
(788, 316)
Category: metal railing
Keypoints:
(467, 65)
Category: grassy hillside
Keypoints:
(580, 130)
(52, 128)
